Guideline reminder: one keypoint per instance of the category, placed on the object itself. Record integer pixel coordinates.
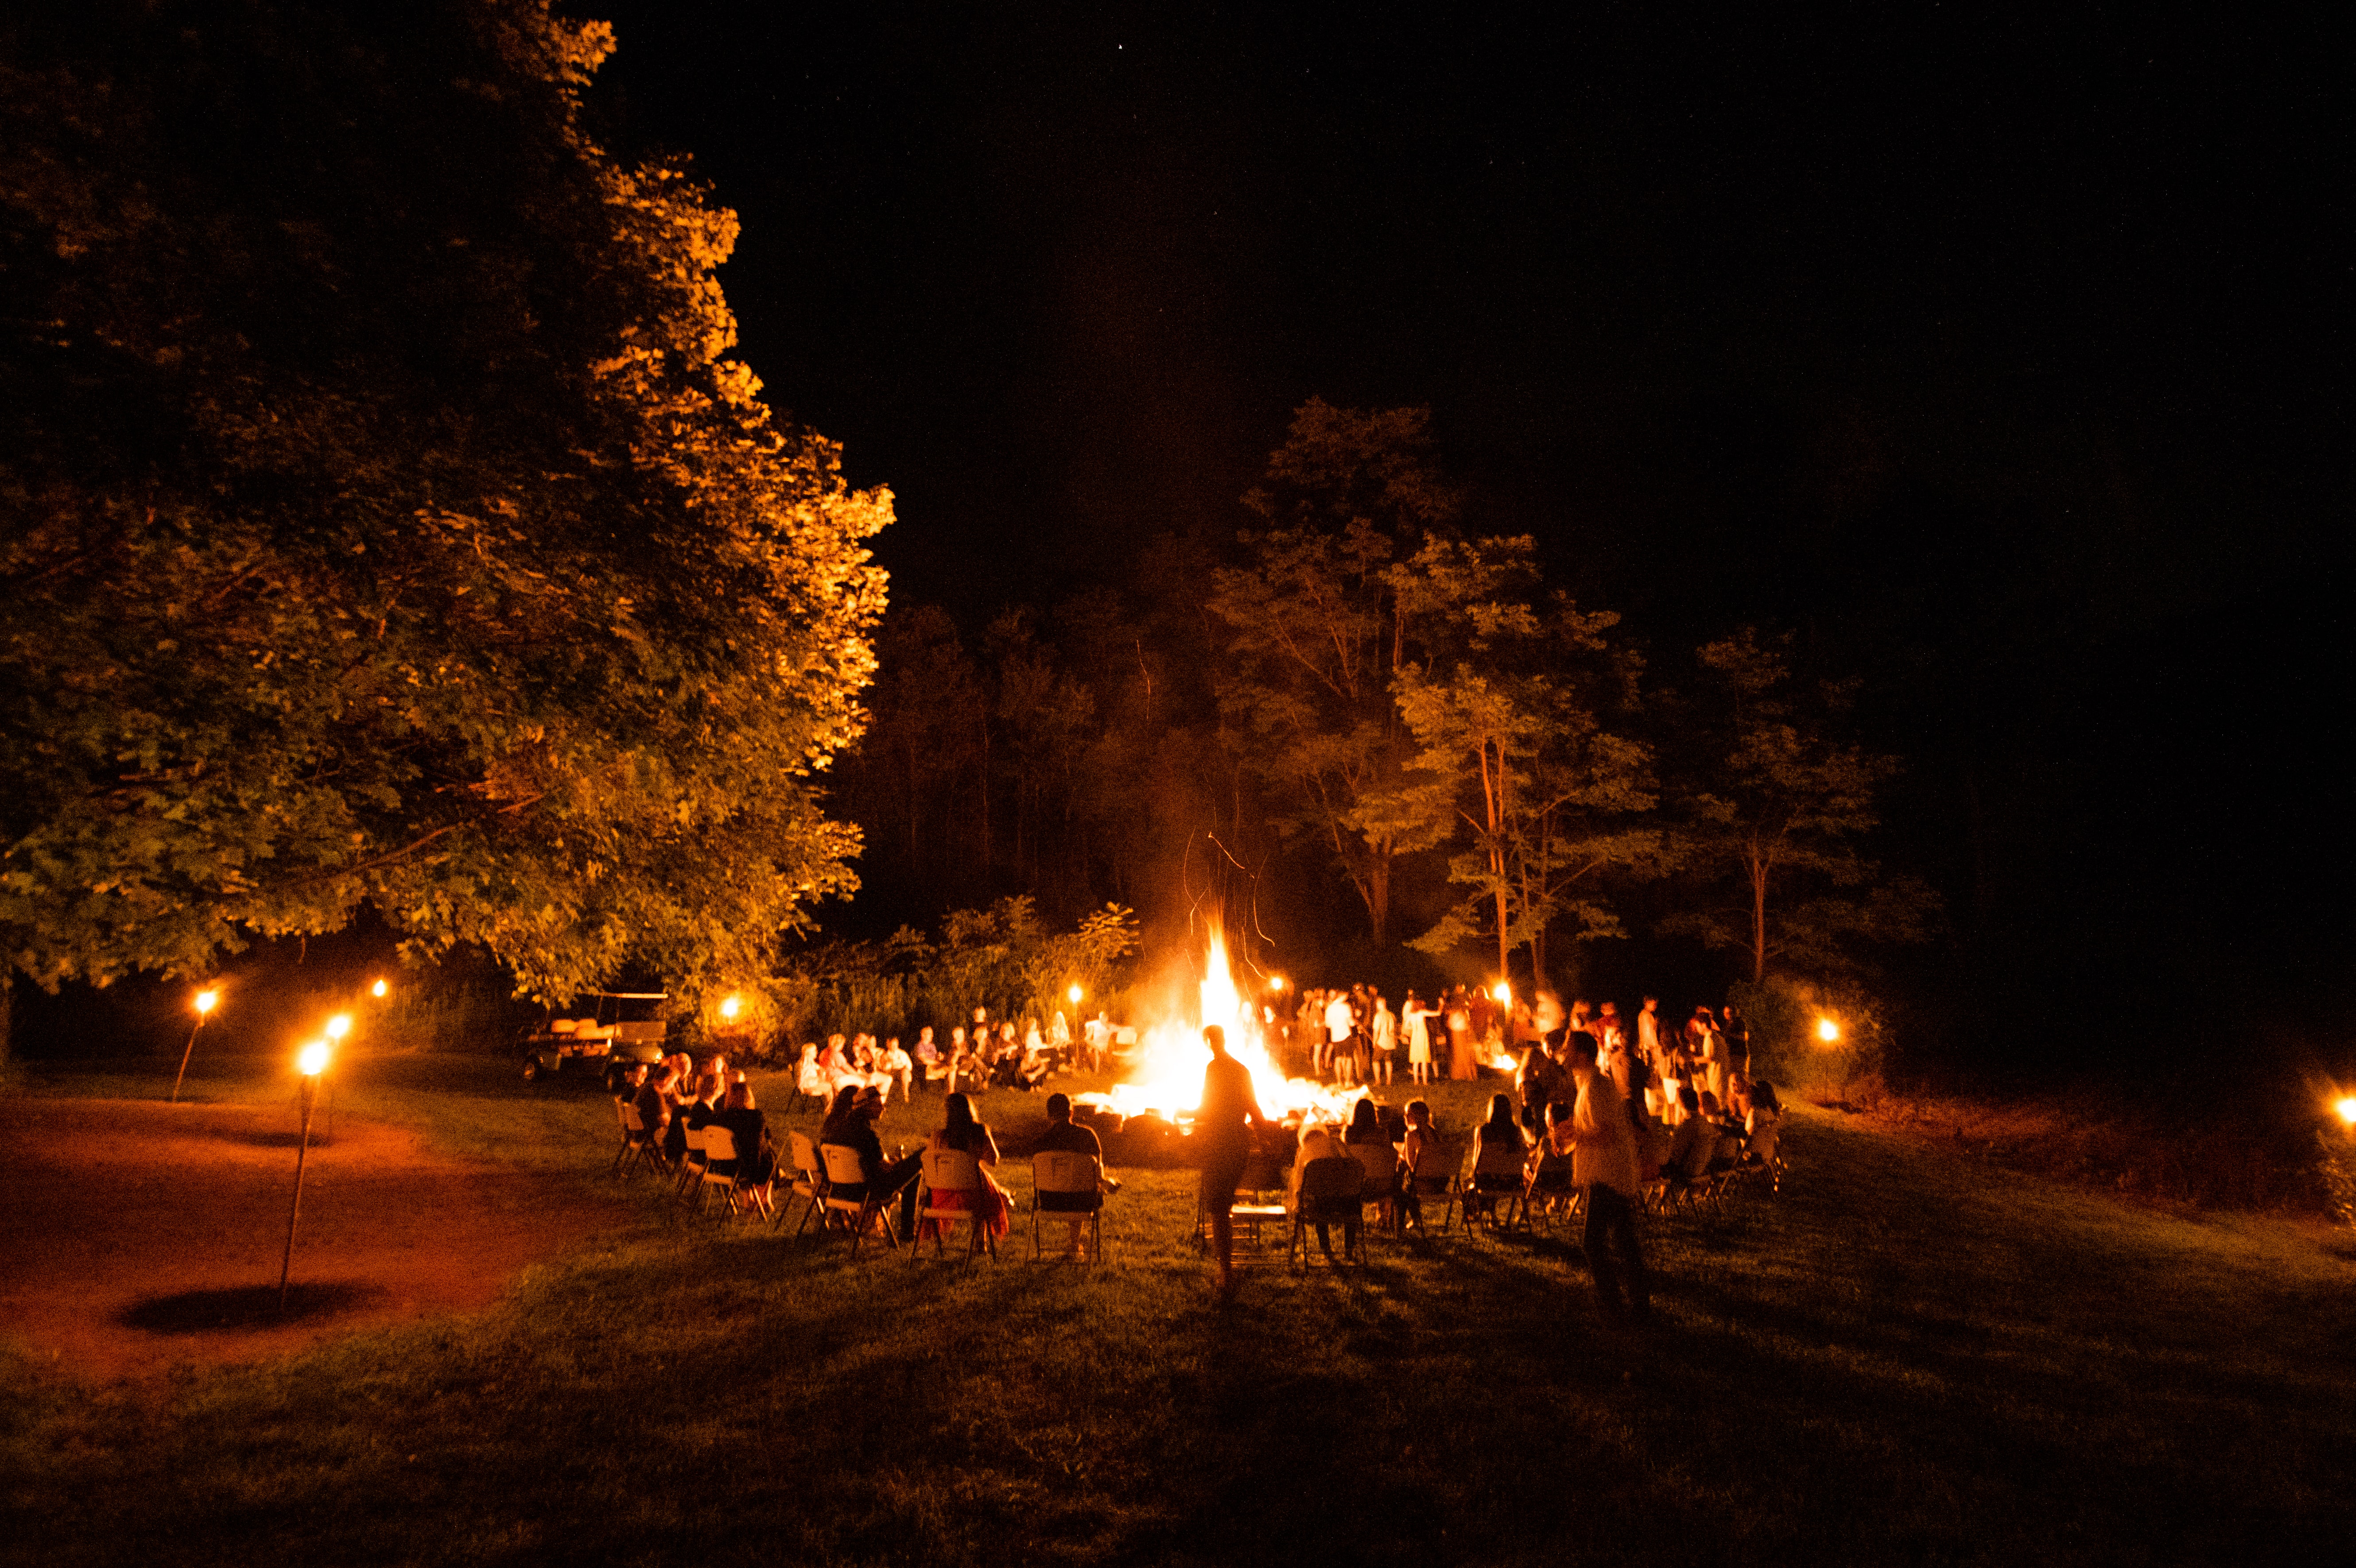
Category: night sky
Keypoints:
(2000, 360)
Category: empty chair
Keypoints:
(1329, 1196)
(847, 1194)
(1068, 1187)
(950, 1172)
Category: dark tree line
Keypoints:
(1372, 698)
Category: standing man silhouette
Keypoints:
(1224, 1128)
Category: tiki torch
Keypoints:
(313, 1060)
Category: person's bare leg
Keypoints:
(1223, 1242)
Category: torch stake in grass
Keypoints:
(313, 1059)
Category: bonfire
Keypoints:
(1167, 1081)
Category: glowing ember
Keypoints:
(1169, 1075)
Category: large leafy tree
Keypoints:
(1315, 633)
(1515, 699)
(1777, 809)
(382, 515)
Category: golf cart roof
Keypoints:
(631, 995)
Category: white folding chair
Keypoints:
(1434, 1175)
(809, 1182)
(691, 1165)
(644, 1151)
(719, 1168)
(953, 1171)
(844, 1176)
(1068, 1187)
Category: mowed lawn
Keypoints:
(1904, 1357)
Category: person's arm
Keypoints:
(988, 1153)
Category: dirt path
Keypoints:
(141, 1234)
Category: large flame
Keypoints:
(1168, 1078)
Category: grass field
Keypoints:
(1905, 1357)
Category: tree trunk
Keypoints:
(1758, 918)
(8, 990)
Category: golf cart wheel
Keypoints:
(531, 1070)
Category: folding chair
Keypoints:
(1246, 1219)
(1435, 1176)
(1497, 1178)
(1329, 1195)
(1381, 1162)
(809, 1183)
(1070, 1187)
(1549, 1190)
(622, 1115)
(952, 1170)
(691, 1165)
(863, 1213)
(644, 1151)
(720, 1169)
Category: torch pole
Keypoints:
(185, 1055)
(310, 1095)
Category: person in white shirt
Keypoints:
(1603, 1161)
(1340, 1021)
(1386, 1037)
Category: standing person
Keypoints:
(1098, 1036)
(1225, 1125)
(1603, 1161)
(1648, 1033)
(1737, 1040)
(1417, 1019)
(1340, 1023)
(1713, 1055)
(1460, 1037)
(1386, 1037)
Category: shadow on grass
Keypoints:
(249, 1307)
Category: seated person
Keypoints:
(1764, 1125)
(1550, 1178)
(883, 1181)
(653, 1103)
(927, 1054)
(809, 1079)
(835, 1125)
(895, 1063)
(1421, 1162)
(1501, 1131)
(757, 1162)
(1063, 1135)
(1728, 1152)
(1317, 1142)
(1696, 1141)
(962, 1133)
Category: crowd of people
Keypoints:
(991, 1053)
(675, 1097)
(1611, 1108)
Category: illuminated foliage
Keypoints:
(385, 519)
(1508, 696)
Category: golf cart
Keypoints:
(626, 1026)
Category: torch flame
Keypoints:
(2347, 1109)
(1827, 1030)
(313, 1059)
(207, 1001)
(379, 989)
